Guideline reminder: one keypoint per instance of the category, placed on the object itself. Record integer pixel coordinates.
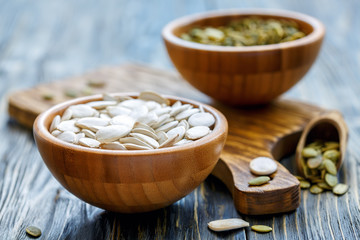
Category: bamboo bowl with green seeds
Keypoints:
(243, 75)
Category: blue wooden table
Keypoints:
(44, 40)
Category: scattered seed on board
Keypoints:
(259, 181)
(227, 224)
(33, 231)
(261, 228)
(263, 166)
(340, 189)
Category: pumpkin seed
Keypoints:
(55, 123)
(309, 152)
(82, 110)
(135, 141)
(330, 167)
(169, 142)
(67, 136)
(112, 133)
(331, 180)
(56, 133)
(340, 189)
(263, 166)
(316, 189)
(179, 131)
(71, 93)
(113, 146)
(196, 132)
(48, 96)
(101, 104)
(33, 231)
(261, 228)
(146, 132)
(314, 162)
(89, 142)
(300, 178)
(201, 119)
(67, 115)
(333, 155)
(259, 181)
(131, 146)
(330, 146)
(304, 184)
(324, 185)
(227, 224)
(152, 142)
(96, 83)
(153, 96)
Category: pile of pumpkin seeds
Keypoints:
(319, 160)
(125, 123)
(249, 31)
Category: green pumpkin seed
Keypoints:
(333, 155)
(259, 181)
(309, 152)
(330, 146)
(340, 189)
(315, 162)
(71, 93)
(317, 180)
(33, 231)
(331, 180)
(317, 144)
(48, 96)
(304, 184)
(261, 228)
(330, 167)
(315, 189)
(323, 172)
(324, 185)
(300, 178)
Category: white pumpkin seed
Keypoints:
(101, 104)
(78, 136)
(201, 119)
(55, 123)
(152, 142)
(186, 114)
(227, 224)
(88, 133)
(56, 133)
(67, 115)
(88, 122)
(152, 105)
(176, 110)
(263, 166)
(153, 96)
(113, 146)
(67, 136)
(116, 111)
(162, 111)
(82, 110)
(179, 131)
(123, 120)
(162, 137)
(185, 124)
(132, 103)
(135, 141)
(89, 142)
(169, 142)
(145, 132)
(68, 125)
(131, 146)
(112, 133)
(166, 127)
(197, 132)
(182, 142)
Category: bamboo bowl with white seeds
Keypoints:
(129, 181)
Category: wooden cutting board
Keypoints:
(272, 130)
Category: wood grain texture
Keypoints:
(130, 181)
(237, 75)
(48, 40)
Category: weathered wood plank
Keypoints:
(48, 40)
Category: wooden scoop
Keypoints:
(329, 126)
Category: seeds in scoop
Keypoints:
(89, 142)
(330, 167)
(259, 181)
(227, 224)
(263, 166)
(340, 189)
(330, 146)
(201, 119)
(331, 180)
(314, 162)
(55, 123)
(261, 228)
(33, 231)
(304, 184)
(112, 133)
(309, 152)
(113, 146)
(67, 136)
(333, 155)
(153, 96)
(315, 189)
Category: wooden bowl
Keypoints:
(243, 75)
(129, 181)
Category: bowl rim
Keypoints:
(317, 33)
(39, 128)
